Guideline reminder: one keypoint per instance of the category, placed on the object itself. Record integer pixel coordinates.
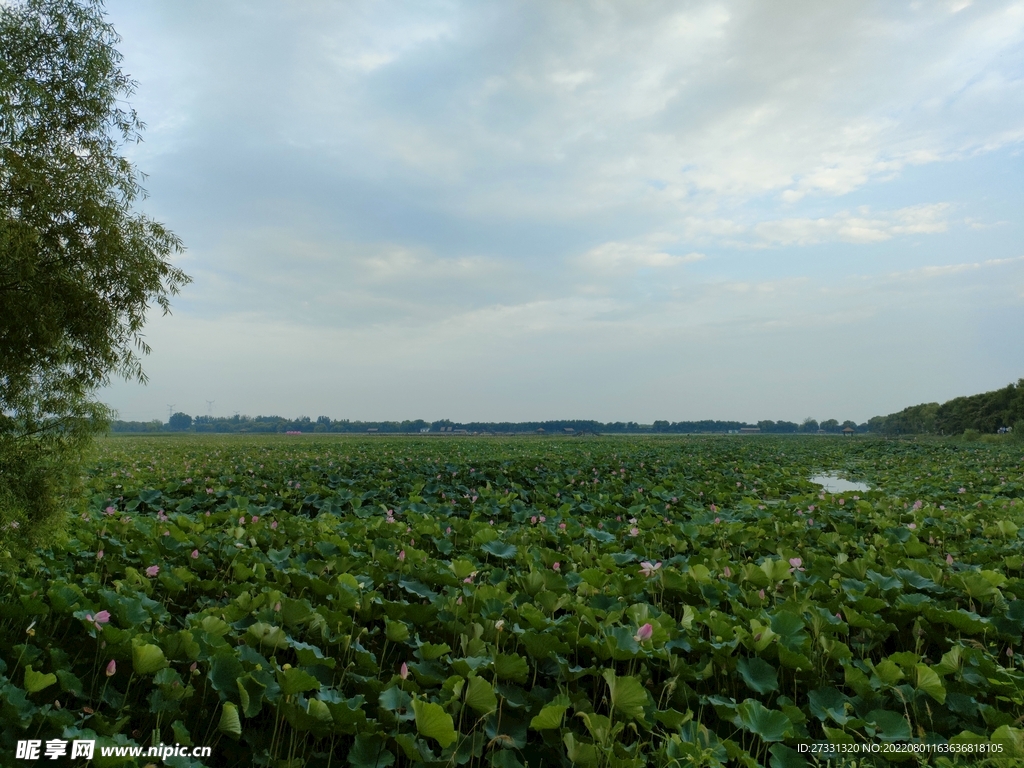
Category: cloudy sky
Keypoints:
(619, 211)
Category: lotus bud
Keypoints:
(644, 633)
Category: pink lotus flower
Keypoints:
(277, 607)
(648, 569)
(111, 668)
(99, 619)
(152, 571)
(533, 519)
(273, 525)
(403, 671)
(255, 519)
(634, 531)
(448, 529)
(644, 633)
(949, 559)
(918, 504)
(842, 502)
(195, 554)
(561, 526)
(962, 490)
(795, 562)
(99, 555)
(556, 566)
(543, 519)
(110, 511)
(727, 572)
(241, 520)
(401, 556)
(761, 594)
(912, 526)
(718, 520)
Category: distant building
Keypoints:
(373, 429)
(848, 431)
(540, 430)
(568, 430)
(749, 430)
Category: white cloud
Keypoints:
(861, 226)
(616, 256)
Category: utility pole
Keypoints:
(170, 411)
(209, 407)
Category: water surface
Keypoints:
(836, 484)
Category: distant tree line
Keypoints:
(987, 413)
(182, 422)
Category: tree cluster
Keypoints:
(986, 413)
(78, 267)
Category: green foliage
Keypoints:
(970, 416)
(338, 599)
(179, 422)
(79, 268)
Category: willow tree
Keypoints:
(79, 267)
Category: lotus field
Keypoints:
(325, 601)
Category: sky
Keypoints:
(524, 210)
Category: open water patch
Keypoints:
(836, 484)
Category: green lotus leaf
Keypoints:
(889, 726)
(296, 680)
(551, 714)
(369, 751)
(229, 722)
(769, 724)
(37, 681)
(480, 696)
(433, 722)
(759, 675)
(627, 695)
(147, 659)
(929, 682)
(500, 549)
(511, 666)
